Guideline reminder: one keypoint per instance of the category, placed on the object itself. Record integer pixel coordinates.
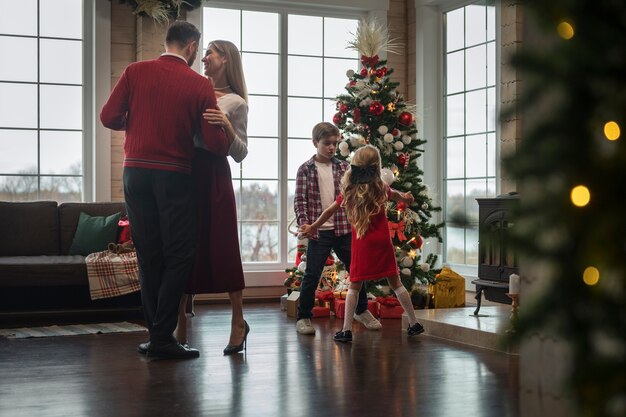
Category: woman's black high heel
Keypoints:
(231, 349)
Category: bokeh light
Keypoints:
(565, 30)
(591, 275)
(611, 130)
(580, 195)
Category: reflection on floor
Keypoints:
(282, 373)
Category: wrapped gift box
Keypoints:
(449, 290)
(340, 308)
(319, 311)
(390, 312)
(324, 298)
(283, 302)
(292, 304)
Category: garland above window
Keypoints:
(161, 11)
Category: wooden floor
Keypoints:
(282, 374)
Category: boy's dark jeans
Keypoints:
(316, 255)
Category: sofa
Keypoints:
(37, 275)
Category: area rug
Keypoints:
(71, 330)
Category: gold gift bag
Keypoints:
(449, 289)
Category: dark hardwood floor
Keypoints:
(282, 374)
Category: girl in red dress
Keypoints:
(363, 195)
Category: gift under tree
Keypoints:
(372, 112)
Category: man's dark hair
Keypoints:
(181, 33)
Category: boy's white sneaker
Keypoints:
(304, 326)
(368, 320)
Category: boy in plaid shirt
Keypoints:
(317, 186)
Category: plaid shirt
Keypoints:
(307, 202)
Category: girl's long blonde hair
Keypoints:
(234, 68)
(364, 199)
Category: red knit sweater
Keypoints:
(159, 103)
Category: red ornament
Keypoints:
(356, 115)
(344, 108)
(352, 83)
(380, 73)
(376, 108)
(364, 72)
(402, 159)
(395, 132)
(338, 119)
(417, 242)
(401, 205)
(405, 118)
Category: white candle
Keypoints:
(514, 284)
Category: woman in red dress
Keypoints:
(363, 195)
(217, 265)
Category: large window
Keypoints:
(41, 100)
(294, 64)
(470, 125)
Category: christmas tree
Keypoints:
(570, 167)
(372, 112)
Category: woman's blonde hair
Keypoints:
(364, 193)
(234, 68)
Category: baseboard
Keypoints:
(250, 295)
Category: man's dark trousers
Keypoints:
(162, 222)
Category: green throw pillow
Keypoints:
(93, 234)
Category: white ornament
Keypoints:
(398, 145)
(408, 185)
(425, 267)
(425, 206)
(344, 153)
(303, 257)
(388, 138)
(357, 140)
(383, 129)
(406, 271)
(375, 87)
(343, 146)
(387, 176)
(406, 139)
(302, 267)
(425, 190)
(350, 73)
(407, 261)
(360, 84)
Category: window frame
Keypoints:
(430, 66)
(91, 33)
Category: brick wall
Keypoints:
(510, 84)
(123, 52)
(397, 27)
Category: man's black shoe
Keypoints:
(143, 348)
(172, 350)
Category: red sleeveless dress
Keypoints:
(373, 256)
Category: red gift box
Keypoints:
(390, 312)
(389, 308)
(318, 311)
(340, 308)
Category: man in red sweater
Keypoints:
(159, 103)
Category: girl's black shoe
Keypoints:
(231, 349)
(343, 337)
(415, 329)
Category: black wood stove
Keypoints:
(496, 260)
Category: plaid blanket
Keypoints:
(111, 274)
